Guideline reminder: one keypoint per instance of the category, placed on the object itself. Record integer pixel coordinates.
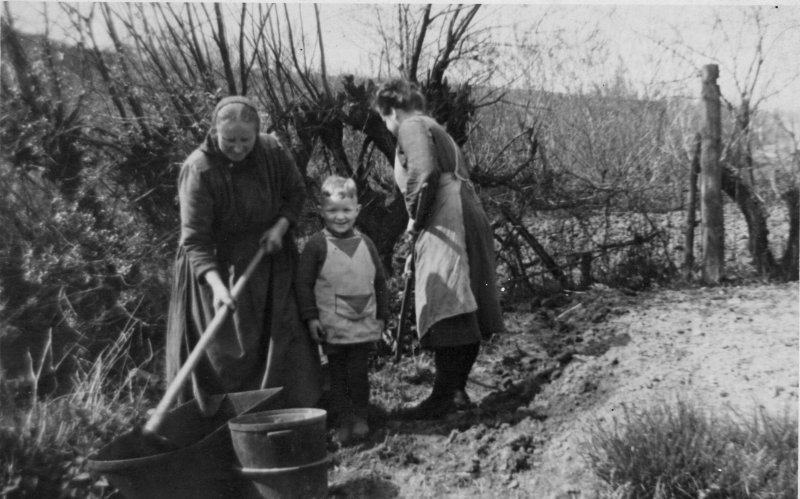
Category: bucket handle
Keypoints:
(280, 434)
(283, 436)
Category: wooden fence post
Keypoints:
(711, 179)
(691, 217)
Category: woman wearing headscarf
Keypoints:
(238, 190)
(456, 298)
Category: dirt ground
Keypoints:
(563, 366)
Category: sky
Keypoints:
(642, 38)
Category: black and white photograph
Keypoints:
(300, 250)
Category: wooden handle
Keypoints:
(404, 305)
(174, 388)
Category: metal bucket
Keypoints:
(283, 452)
(202, 467)
(309, 481)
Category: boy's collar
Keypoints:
(349, 233)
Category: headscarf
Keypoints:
(211, 145)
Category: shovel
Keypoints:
(404, 306)
(147, 441)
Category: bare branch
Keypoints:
(415, 55)
(302, 69)
(242, 64)
(322, 54)
(222, 44)
(133, 100)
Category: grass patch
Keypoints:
(680, 451)
(44, 442)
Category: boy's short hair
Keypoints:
(337, 187)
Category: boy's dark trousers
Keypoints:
(349, 374)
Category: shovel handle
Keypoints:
(404, 306)
(174, 388)
(406, 300)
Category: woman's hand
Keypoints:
(410, 226)
(409, 238)
(316, 330)
(272, 240)
(222, 296)
(409, 265)
(410, 235)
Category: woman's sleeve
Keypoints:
(308, 267)
(416, 142)
(293, 192)
(197, 214)
(381, 288)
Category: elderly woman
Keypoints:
(456, 301)
(238, 190)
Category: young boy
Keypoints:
(341, 290)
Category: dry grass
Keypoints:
(44, 442)
(677, 450)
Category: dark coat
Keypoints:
(225, 209)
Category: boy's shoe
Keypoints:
(462, 400)
(360, 428)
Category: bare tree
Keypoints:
(424, 44)
(756, 74)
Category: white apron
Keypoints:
(345, 291)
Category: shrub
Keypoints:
(681, 451)
(78, 276)
(44, 443)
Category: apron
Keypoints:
(442, 282)
(345, 291)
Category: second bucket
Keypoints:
(283, 452)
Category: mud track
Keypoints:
(563, 367)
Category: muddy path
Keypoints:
(563, 367)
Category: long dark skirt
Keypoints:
(264, 343)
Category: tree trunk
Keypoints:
(739, 184)
(753, 210)
(713, 223)
(744, 152)
(383, 222)
(791, 256)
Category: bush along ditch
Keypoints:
(45, 440)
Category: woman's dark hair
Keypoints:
(399, 94)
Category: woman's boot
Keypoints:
(467, 358)
(440, 401)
